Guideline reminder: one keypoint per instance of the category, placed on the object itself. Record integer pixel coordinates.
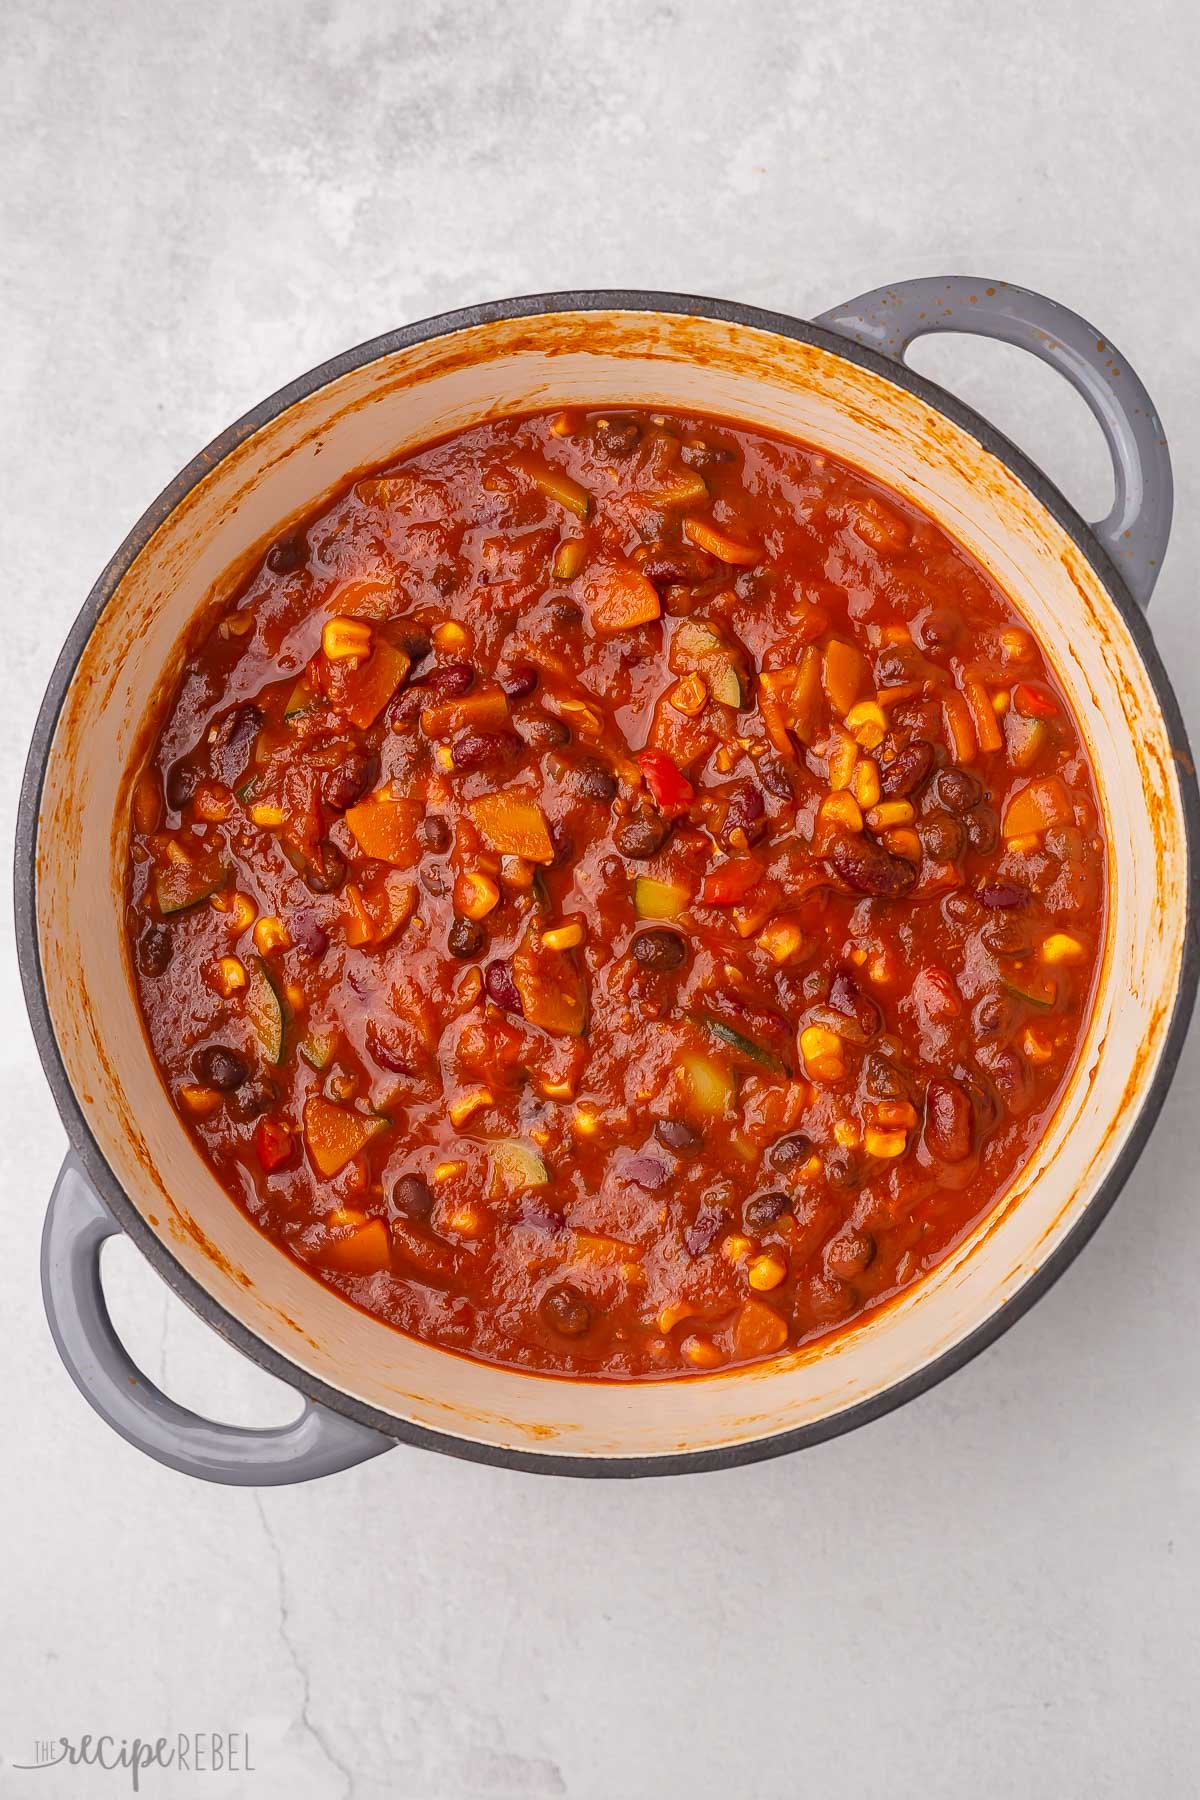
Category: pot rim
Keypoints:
(25, 883)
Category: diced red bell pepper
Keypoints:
(731, 882)
(670, 788)
(272, 1143)
(1034, 702)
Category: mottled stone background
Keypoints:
(991, 1593)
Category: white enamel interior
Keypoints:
(397, 402)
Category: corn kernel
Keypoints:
(889, 813)
(1001, 701)
(842, 759)
(200, 1101)
(885, 1143)
(896, 1113)
(563, 937)
(867, 724)
(212, 801)
(446, 1171)
(670, 1316)
(725, 759)
(586, 1122)
(1061, 947)
(558, 1090)
(229, 976)
(842, 809)
(1024, 844)
(269, 817)
(822, 1053)
(565, 424)
(690, 695)
(701, 1352)
(449, 636)
(271, 934)
(443, 756)
(903, 841)
(811, 1169)
(1036, 1045)
(783, 939)
(734, 1247)
(865, 785)
(568, 559)
(1016, 644)
(766, 1271)
(346, 640)
(241, 912)
(475, 894)
(466, 1221)
(467, 1104)
(845, 1132)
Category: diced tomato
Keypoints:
(272, 1143)
(1034, 702)
(731, 882)
(670, 788)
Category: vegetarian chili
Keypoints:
(616, 894)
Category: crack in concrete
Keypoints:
(289, 1643)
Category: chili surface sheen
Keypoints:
(616, 894)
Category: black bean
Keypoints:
(647, 1172)
(790, 1152)
(218, 1067)
(906, 771)
(435, 879)
(415, 642)
(155, 949)
(849, 1253)
(180, 785)
(258, 1095)
(288, 555)
(566, 615)
(484, 749)
(983, 829)
(1002, 895)
(436, 833)
(678, 1137)
(520, 681)
(883, 1079)
(641, 836)
(848, 998)
(955, 789)
(541, 732)
(412, 1196)
(948, 1120)
(1006, 936)
(616, 437)
(466, 938)
(500, 986)
(326, 870)
(938, 629)
(349, 781)
(942, 837)
(843, 1168)
(594, 781)
(659, 950)
(567, 1310)
(564, 843)
(444, 578)
(761, 1212)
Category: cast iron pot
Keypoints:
(840, 384)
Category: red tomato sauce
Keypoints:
(616, 894)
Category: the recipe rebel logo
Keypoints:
(187, 1752)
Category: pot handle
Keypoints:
(1135, 532)
(319, 1442)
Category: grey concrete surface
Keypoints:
(991, 1593)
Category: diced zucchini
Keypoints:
(180, 885)
(299, 700)
(659, 899)
(710, 1085)
(317, 1049)
(726, 1034)
(265, 1009)
(515, 1168)
(1035, 990)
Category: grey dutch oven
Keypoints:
(840, 383)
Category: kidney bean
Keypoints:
(450, 681)
(155, 949)
(485, 749)
(252, 1098)
(566, 615)
(566, 1309)
(1001, 895)
(326, 870)
(647, 1172)
(776, 778)
(847, 997)
(906, 771)
(288, 555)
(867, 867)
(520, 682)
(829, 1298)
(659, 949)
(180, 784)
(948, 1120)
(762, 1211)
(677, 565)
(308, 934)
(744, 812)
(500, 987)
(436, 833)
(1006, 936)
(641, 836)
(678, 1137)
(616, 437)
(466, 938)
(707, 1226)
(413, 1196)
(218, 1067)
(349, 781)
(956, 790)
(234, 740)
(594, 781)
(983, 829)
(849, 1253)
(883, 1079)
(994, 1015)
(790, 1152)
